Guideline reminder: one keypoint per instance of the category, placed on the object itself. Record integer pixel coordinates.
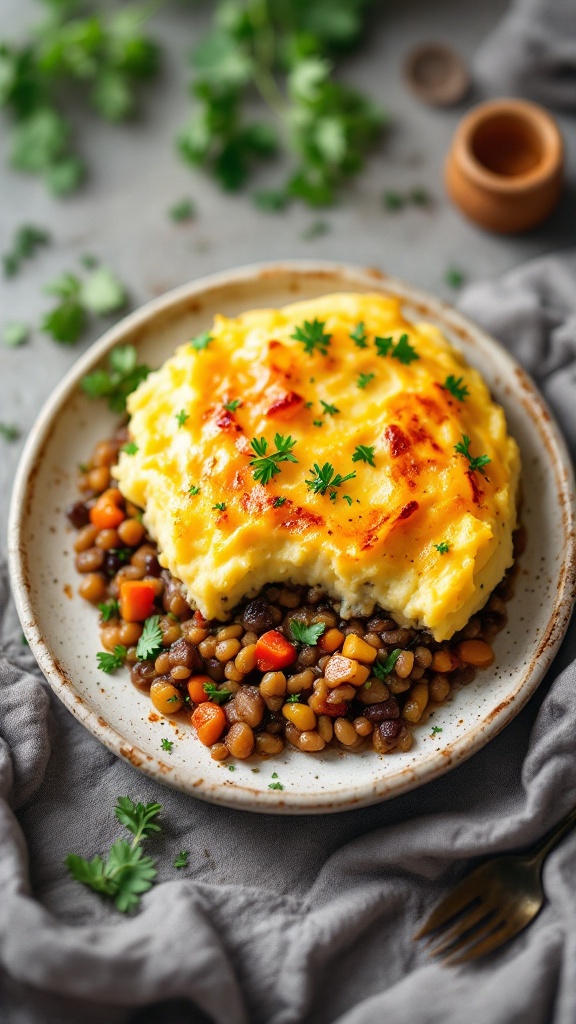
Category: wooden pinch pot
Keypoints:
(504, 169)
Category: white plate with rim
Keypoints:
(62, 629)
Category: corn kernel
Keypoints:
(356, 647)
(301, 715)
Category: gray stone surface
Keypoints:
(136, 175)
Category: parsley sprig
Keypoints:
(110, 661)
(150, 642)
(313, 336)
(267, 464)
(109, 610)
(456, 387)
(442, 548)
(463, 448)
(216, 696)
(364, 453)
(381, 669)
(324, 478)
(403, 351)
(304, 634)
(122, 377)
(126, 873)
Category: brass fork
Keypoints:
(492, 904)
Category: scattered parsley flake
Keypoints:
(404, 352)
(274, 775)
(15, 334)
(318, 423)
(220, 506)
(456, 387)
(347, 498)
(275, 785)
(102, 293)
(181, 859)
(122, 377)
(167, 745)
(324, 479)
(201, 341)
(381, 669)
(181, 417)
(271, 200)
(454, 277)
(330, 410)
(278, 502)
(364, 379)
(193, 491)
(130, 448)
(383, 345)
(109, 610)
(315, 230)
(312, 336)
(307, 634)
(150, 642)
(109, 662)
(364, 453)
(9, 431)
(463, 448)
(216, 696)
(26, 241)
(265, 465)
(436, 729)
(232, 406)
(359, 336)
(443, 547)
(393, 201)
(184, 209)
(294, 698)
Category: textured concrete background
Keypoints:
(136, 175)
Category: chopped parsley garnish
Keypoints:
(278, 502)
(181, 859)
(404, 352)
(265, 465)
(122, 377)
(381, 669)
(383, 345)
(216, 695)
(167, 745)
(443, 547)
(26, 241)
(220, 506)
(122, 554)
(364, 379)
(66, 321)
(232, 406)
(125, 873)
(364, 453)
(454, 277)
(347, 498)
(130, 448)
(359, 336)
(392, 201)
(150, 642)
(181, 417)
(315, 230)
(109, 662)
(201, 341)
(183, 210)
(294, 698)
(275, 785)
(318, 423)
(330, 410)
(231, 767)
(307, 634)
(15, 334)
(109, 610)
(436, 729)
(324, 478)
(463, 448)
(193, 490)
(9, 432)
(274, 775)
(312, 336)
(456, 387)
(271, 200)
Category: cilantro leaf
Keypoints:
(307, 634)
(109, 662)
(381, 669)
(312, 336)
(150, 642)
(364, 453)
(265, 465)
(456, 387)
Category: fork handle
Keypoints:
(552, 838)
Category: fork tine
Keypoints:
(469, 890)
(502, 931)
(464, 930)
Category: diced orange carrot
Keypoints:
(209, 721)
(196, 688)
(106, 516)
(274, 651)
(137, 599)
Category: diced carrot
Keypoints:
(274, 651)
(199, 619)
(209, 721)
(106, 517)
(137, 599)
(196, 688)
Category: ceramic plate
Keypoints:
(63, 632)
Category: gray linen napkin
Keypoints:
(532, 53)
(299, 919)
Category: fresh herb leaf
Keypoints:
(442, 548)
(381, 669)
(420, 197)
(315, 230)
(66, 322)
(193, 491)
(359, 336)
(330, 410)
(454, 277)
(232, 406)
(15, 334)
(109, 662)
(404, 352)
(456, 387)
(201, 341)
(307, 634)
(122, 377)
(216, 696)
(167, 745)
(318, 423)
(27, 238)
(181, 859)
(383, 345)
(393, 201)
(271, 200)
(231, 767)
(103, 293)
(463, 448)
(312, 336)
(278, 502)
(275, 785)
(183, 210)
(364, 379)
(124, 876)
(109, 610)
(364, 453)
(130, 448)
(181, 417)
(324, 478)
(220, 506)
(150, 642)
(294, 698)
(265, 465)
(274, 775)
(9, 432)
(436, 729)
(347, 498)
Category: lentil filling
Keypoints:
(285, 669)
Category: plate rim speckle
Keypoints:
(232, 793)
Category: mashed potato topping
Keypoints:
(330, 442)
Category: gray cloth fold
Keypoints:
(532, 53)
(284, 920)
